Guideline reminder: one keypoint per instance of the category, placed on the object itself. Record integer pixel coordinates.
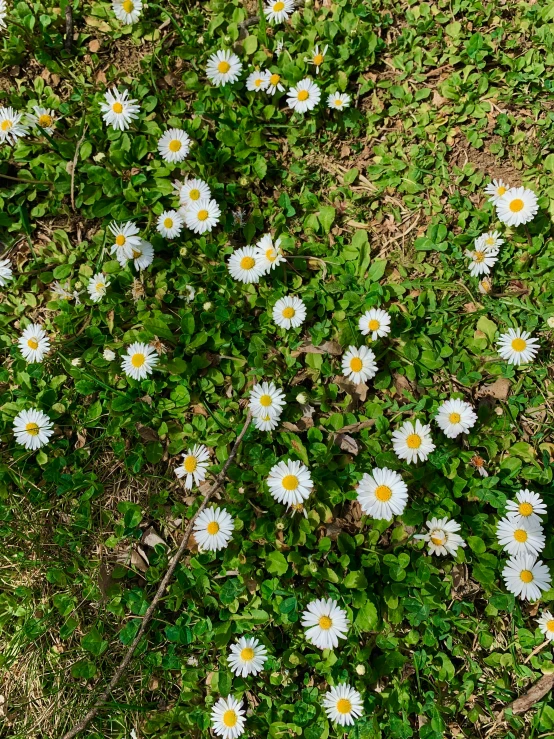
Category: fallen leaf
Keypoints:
(500, 389)
(347, 443)
(94, 45)
(355, 427)
(81, 439)
(151, 538)
(328, 347)
(358, 392)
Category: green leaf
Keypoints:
(366, 618)
(326, 216)
(488, 327)
(276, 563)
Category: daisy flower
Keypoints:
(490, 240)
(442, 536)
(517, 346)
(496, 191)
(213, 529)
(455, 417)
(223, 67)
(290, 482)
(318, 57)
(325, 623)
(43, 117)
(191, 191)
(479, 464)
(274, 83)
(34, 343)
(482, 260)
(257, 80)
(526, 576)
(247, 657)
(32, 428)
(125, 239)
(127, 11)
(305, 96)
(546, 625)
(265, 422)
(194, 465)
(266, 399)
(375, 322)
(3, 13)
(279, 10)
(6, 273)
(279, 46)
(343, 705)
(202, 215)
(485, 286)
(228, 718)
(11, 127)
(174, 145)
(338, 101)
(382, 494)
(519, 205)
(140, 360)
(170, 224)
(412, 442)
(520, 537)
(528, 506)
(143, 255)
(269, 252)
(97, 286)
(359, 364)
(245, 265)
(119, 109)
(289, 312)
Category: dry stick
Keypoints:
(68, 26)
(74, 167)
(161, 590)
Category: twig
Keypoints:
(101, 700)
(68, 27)
(20, 179)
(536, 692)
(74, 167)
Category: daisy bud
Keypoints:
(108, 355)
(360, 669)
(302, 398)
(183, 251)
(76, 362)
(550, 322)
(280, 525)
(207, 306)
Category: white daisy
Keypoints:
(43, 117)
(97, 286)
(125, 239)
(274, 83)
(517, 346)
(169, 224)
(338, 101)
(518, 537)
(6, 273)
(257, 80)
(194, 465)
(223, 67)
(3, 13)
(382, 494)
(213, 529)
(412, 442)
(518, 205)
(34, 343)
(265, 422)
(490, 240)
(343, 705)
(143, 255)
(228, 718)
(127, 11)
(11, 127)
(290, 482)
(442, 536)
(359, 364)
(529, 506)
(269, 252)
(245, 265)
(139, 361)
(174, 145)
(526, 577)
(318, 57)
(546, 625)
(32, 428)
(202, 215)
(375, 322)
(279, 10)
(305, 96)
(289, 312)
(325, 623)
(455, 417)
(119, 109)
(266, 399)
(247, 657)
(482, 260)
(191, 191)
(279, 46)
(496, 191)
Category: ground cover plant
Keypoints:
(276, 294)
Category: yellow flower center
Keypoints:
(32, 344)
(325, 623)
(265, 401)
(290, 482)
(489, 241)
(6, 125)
(438, 539)
(248, 263)
(194, 194)
(212, 528)
(278, 7)
(413, 441)
(479, 256)
(258, 82)
(99, 286)
(356, 364)
(32, 429)
(525, 509)
(271, 255)
(168, 222)
(174, 145)
(383, 493)
(289, 312)
(518, 345)
(303, 95)
(45, 120)
(500, 190)
(138, 359)
(223, 67)
(274, 79)
(344, 706)
(128, 6)
(230, 718)
(526, 576)
(136, 254)
(550, 625)
(338, 102)
(318, 59)
(454, 418)
(520, 535)
(247, 654)
(120, 240)
(117, 108)
(516, 205)
(190, 463)
(202, 215)
(373, 325)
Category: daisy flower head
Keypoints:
(290, 482)
(213, 529)
(382, 494)
(223, 67)
(289, 312)
(143, 255)
(43, 117)
(127, 11)
(518, 205)
(170, 224)
(490, 240)
(3, 13)
(375, 322)
(359, 364)
(34, 343)
(140, 360)
(257, 80)
(496, 190)
(266, 399)
(245, 265)
(546, 625)
(194, 465)
(318, 57)
(413, 442)
(174, 145)
(325, 623)
(32, 428)
(455, 417)
(482, 260)
(442, 536)
(304, 96)
(126, 239)
(97, 286)
(202, 215)
(520, 537)
(517, 347)
(269, 252)
(278, 11)
(6, 273)
(247, 657)
(343, 705)
(11, 127)
(338, 101)
(191, 191)
(528, 506)
(265, 422)
(228, 718)
(119, 109)
(274, 83)
(485, 286)
(526, 576)
(479, 464)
